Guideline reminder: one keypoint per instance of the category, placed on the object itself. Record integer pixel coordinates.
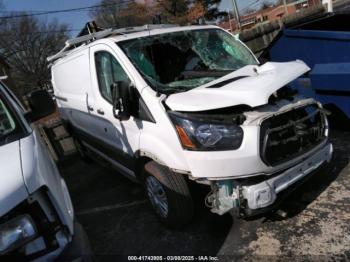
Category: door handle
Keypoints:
(100, 111)
(89, 108)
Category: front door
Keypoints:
(117, 139)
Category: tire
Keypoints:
(168, 194)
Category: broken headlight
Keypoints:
(206, 135)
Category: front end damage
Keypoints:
(293, 143)
(263, 137)
(245, 198)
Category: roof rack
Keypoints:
(85, 39)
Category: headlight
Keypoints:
(204, 135)
(16, 232)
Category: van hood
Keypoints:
(12, 187)
(251, 85)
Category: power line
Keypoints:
(78, 9)
(47, 32)
(250, 5)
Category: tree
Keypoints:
(211, 8)
(173, 11)
(25, 43)
(196, 11)
(119, 13)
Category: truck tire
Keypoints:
(168, 194)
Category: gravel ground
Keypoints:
(119, 222)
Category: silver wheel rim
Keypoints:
(157, 196)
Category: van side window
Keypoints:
(108, 71)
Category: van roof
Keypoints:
(122, 34)
(159, 31)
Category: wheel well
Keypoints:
(141, 162)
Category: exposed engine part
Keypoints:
(224, 196)
(291, 134)
(285, 92)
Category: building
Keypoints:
(270, 13)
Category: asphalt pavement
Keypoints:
(314, 222)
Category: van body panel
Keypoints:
(121, 136)
(39, 170)
(12, 188)
(73, 91)
(161, 136)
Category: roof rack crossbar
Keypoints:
(102, 34)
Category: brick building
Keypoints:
(268, 14)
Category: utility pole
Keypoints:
(329, 4)
(285, 7)
(229, 20)
(235, 10)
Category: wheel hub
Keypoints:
(157, 196)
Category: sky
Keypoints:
(77, 20)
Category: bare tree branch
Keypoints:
(25, 43)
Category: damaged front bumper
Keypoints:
(250, 198)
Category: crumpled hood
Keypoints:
(254, 89)
(12, 187)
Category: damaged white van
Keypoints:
(167, 104)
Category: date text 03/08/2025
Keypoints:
(172, 258)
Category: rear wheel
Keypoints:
(168, 194)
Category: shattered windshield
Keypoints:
(183, 60)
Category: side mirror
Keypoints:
(121, 100)
(41, 104)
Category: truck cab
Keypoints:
(166, 105)
(36, 213)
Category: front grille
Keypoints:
(290, 134)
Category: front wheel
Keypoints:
(168, 194)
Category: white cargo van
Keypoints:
(167, 104)
(36, 213)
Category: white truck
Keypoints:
(36, 213)
(167, 104)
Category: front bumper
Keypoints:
(255, 195)
(79, 248)
(265, 193)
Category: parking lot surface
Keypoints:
(313, 222)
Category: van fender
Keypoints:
(169, 155)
